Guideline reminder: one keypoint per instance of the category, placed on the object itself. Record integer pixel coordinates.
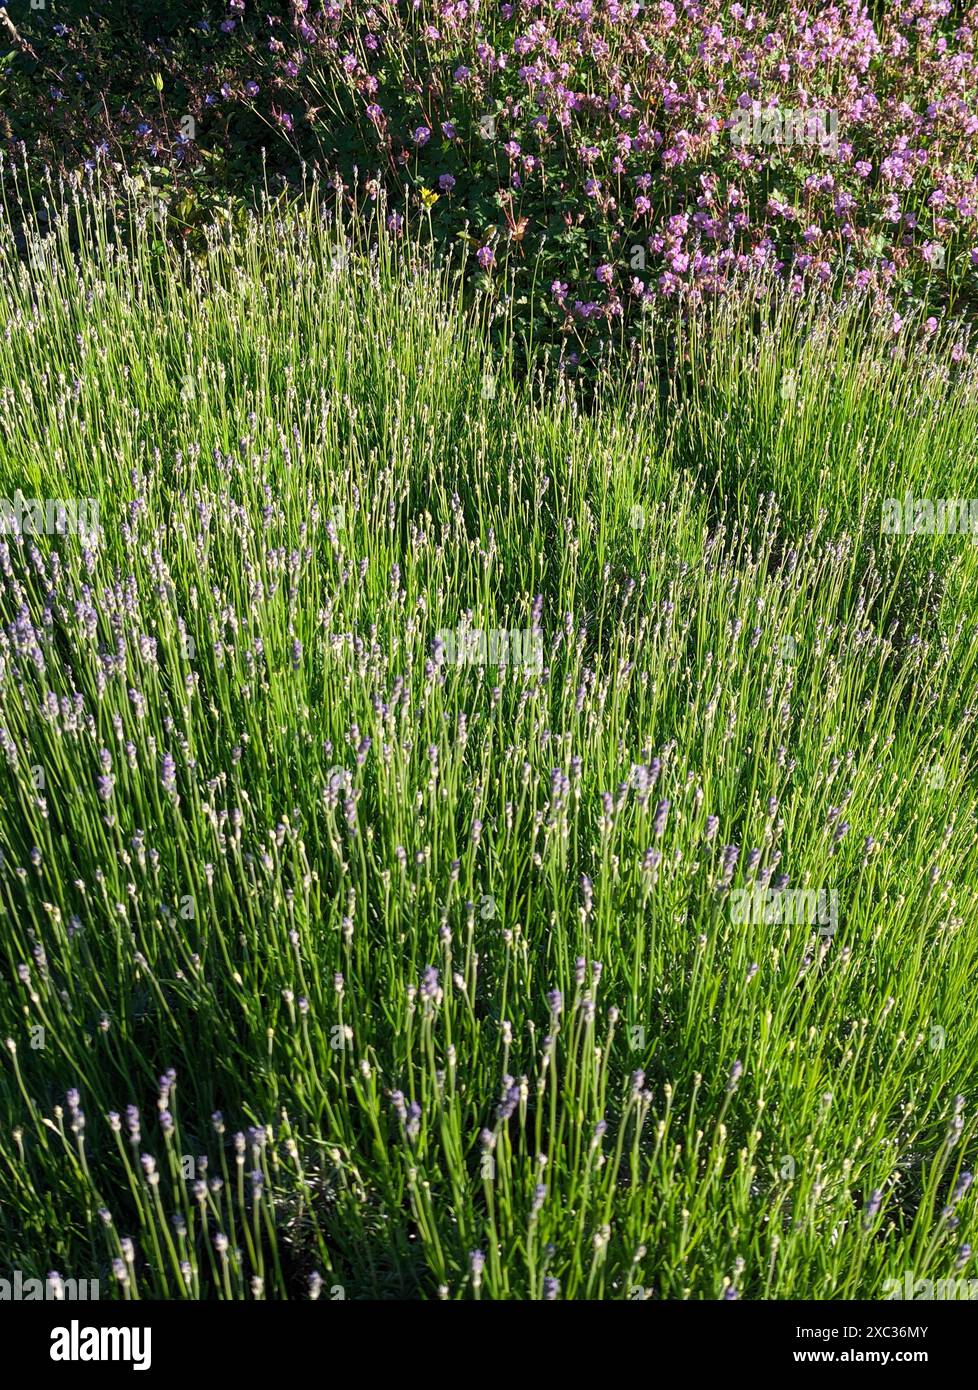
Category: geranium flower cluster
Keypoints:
(606, 153)
(664, 148)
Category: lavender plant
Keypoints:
(385, 756)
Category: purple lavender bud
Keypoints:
(507, 1106)
(731, 853)
(963, 1183)
(651, 860)
(168, 774)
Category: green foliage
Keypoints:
(264, 827)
